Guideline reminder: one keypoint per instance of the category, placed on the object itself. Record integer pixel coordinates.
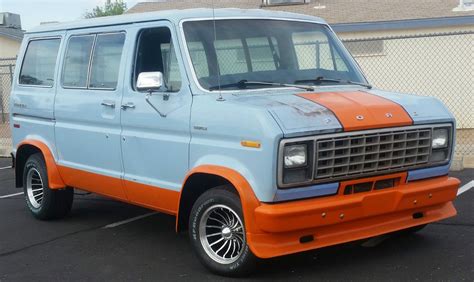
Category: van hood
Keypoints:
(308, 113)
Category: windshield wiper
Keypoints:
(321, 79)
(243, 84)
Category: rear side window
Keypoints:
(93, 61)
(39, 62)
(106, 60)
(76, 64)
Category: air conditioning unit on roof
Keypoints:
(10, 20)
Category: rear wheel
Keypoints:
(43, 202)
(217, 233)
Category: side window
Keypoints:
(76, 65)
(39, 62)
(106, 60)
(155, 52)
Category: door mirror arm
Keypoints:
(147, 99)
(166, 95)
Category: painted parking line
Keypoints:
(466, 187)
(6, 167)
(11, 195)
(112, 225)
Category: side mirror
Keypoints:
(149, 81)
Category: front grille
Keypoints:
(350, 155)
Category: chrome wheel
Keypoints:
(34, 187)
(222, 234)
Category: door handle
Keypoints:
(128, 106)
(108, 104)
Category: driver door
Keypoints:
(155, 132)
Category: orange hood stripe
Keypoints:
(360, 110)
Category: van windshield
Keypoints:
(274, 51)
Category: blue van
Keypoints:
(257, 130)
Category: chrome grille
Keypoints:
(349, 155)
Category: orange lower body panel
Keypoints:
(93, 182)
(147, 196)
(340, 219)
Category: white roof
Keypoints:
(174, 16)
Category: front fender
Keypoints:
(247, 197)
(258, 177)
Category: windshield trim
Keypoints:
(193, 71)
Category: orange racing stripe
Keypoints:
(358, 110)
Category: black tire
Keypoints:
(245, 260)
(54, 204)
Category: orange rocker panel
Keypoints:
(277, 229)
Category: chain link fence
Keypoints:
(7, 67)
(439, 65)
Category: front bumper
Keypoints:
(344, 218)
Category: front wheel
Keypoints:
(217, 233)
(43, 202)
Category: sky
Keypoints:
(33, 12)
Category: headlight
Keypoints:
(295, 156)
(296, 163)
(440, 144)
(440, 138)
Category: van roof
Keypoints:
(174, 16)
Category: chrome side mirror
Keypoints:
(150, 81)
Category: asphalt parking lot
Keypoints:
(80, 247)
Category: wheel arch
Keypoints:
(205, 177)
(29, 147)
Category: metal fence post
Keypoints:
(1, 103)
(10, 70)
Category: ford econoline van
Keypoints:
(257, 130)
